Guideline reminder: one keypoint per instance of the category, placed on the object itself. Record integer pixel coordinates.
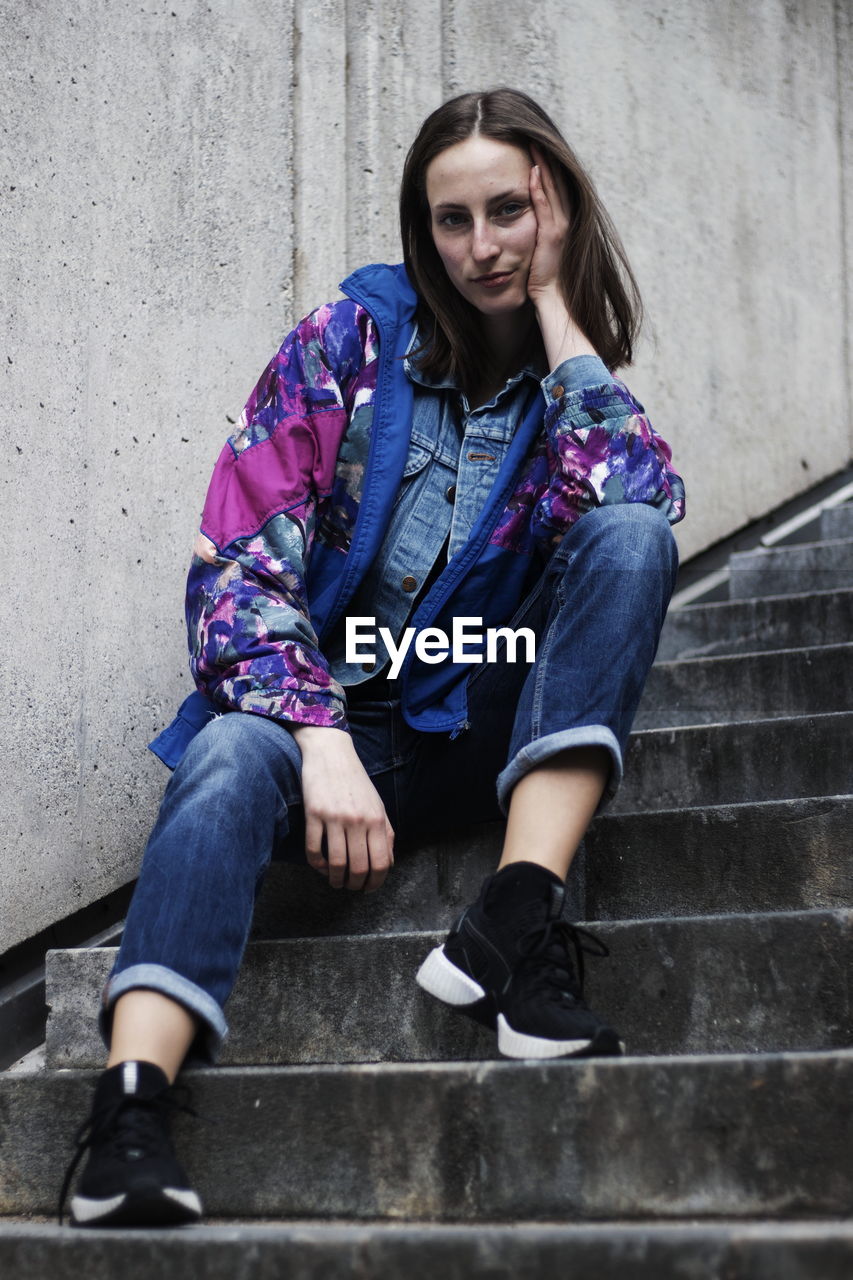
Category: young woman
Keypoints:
(447, 443)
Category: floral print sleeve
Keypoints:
(605, 449)
(252, 643)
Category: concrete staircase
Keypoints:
(356, 1128)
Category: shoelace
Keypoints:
(550, 943)
(140, 1129)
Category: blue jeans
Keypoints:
(234, 802)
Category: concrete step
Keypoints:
(764, 1250)
(701, 1137)
(708, 984)
(431, 883)
(709, 765)
(801, 567)
(754, 686)
(669, 862)
(438, 878)
(687, 794)
(837, 522)
(747, 626)
(782, 855)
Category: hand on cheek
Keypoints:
(549, 199)
(562, 336)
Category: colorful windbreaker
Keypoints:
(302, 494)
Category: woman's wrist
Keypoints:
(309, 736)
(561, 336)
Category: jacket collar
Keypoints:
(383, 290)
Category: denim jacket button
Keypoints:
(409, 583)
(558, 391)
(450, 494)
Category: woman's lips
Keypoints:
(493, 281)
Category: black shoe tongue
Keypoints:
(522, 883)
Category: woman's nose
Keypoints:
(483, 244)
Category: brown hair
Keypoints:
(596, 279)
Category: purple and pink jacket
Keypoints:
(301, 497)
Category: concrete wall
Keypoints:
(181, 179)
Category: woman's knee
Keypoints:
(241, 752)
(625, 535)
(228, 802)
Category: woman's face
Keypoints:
(482, 221)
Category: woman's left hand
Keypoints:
(550, 200)
(549, 196)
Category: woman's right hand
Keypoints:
(342, 804)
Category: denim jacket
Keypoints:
(302, 495)
(455, 454)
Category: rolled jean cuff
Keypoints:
(541, 749)
(156, 977)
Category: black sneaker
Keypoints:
(507, 963)
(132, 1177)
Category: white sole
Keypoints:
(515, 1044)
(85, 1209)
(188, 1199)
(441, 978)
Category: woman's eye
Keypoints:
(451, 220)
(511, 209)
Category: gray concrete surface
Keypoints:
(495, 1141)
(779, 571)
(144, 278)
(781, 855)
(181, 180)
(722, 764)
(750, 625)
(756, 686)
(524, 1251)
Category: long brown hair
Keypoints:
(595, 277)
